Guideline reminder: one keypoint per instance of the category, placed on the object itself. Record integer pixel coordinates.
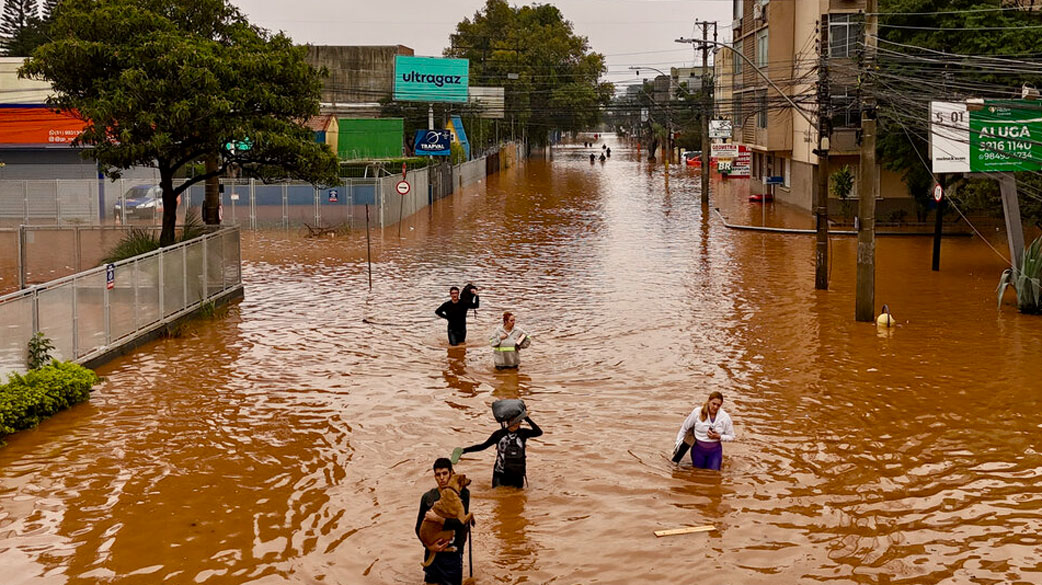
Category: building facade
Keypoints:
(783, 40)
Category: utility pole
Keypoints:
(821, 202)
(706, 101)
(864, 308)
(938, 225)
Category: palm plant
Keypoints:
(1025, 280)
(842, 186)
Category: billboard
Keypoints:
(430, 79)
(433, 143)
(998, 136)
(35, 125)
(488, 102)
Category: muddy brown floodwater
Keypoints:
(289, 441)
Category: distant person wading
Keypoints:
(506, 342)
(455, 310)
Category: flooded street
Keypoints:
(289, 441)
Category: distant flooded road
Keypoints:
(289, 441)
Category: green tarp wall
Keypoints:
(370, 138)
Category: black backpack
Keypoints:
(513, 451)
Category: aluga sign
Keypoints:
(1001, 136)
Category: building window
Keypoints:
(845, 110)
(738, 120)
(761, 49)
(844, 33)
(737, 59)
(761, 120)
(787, 172)
(739, 9)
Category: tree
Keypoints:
(550, 75)
(17, 16)
(167, 83)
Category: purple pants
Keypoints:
(707, 455)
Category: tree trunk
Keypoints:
(212, 198)
(166, 183)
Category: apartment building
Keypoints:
(782, 39)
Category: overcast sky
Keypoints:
(627, 32)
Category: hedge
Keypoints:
(27, 400)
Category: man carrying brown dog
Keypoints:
(447, 567)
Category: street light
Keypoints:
(669, 118)
(755, 68)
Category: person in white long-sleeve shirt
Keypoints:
(710, 426)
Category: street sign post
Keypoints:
(402, 187)
(938, 192)
(110, 276)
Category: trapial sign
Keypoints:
(402, 187)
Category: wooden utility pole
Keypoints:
(821, 202)
(706, 101)
(865, 308)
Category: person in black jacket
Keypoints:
(510, 467)
(455, 310)
(447, 568)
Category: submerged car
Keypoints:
(140, 201)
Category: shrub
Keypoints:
(39, 351)
(1025, 280)
(140, 241)
(27, 400)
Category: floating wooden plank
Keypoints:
(688, 530)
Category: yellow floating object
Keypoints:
(885, 320)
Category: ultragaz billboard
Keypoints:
(430, 79)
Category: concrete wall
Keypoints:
(359, 75)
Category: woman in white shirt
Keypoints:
(707, 426)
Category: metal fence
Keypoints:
(246, 203)
(92, 312)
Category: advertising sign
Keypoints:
(429, 79)
(736, 167)
(433, 143)
(1001, 136)
(488, 102)
(719, 128)
(110, 276)
(723, 150)
(37, 125)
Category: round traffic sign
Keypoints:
(938, 192)
(402, 187)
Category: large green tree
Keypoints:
(946, 50)
(551, 76)
(167, 83)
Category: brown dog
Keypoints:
(448, 506)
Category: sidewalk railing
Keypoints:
(95, 311)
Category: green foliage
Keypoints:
(26, 400)
(842, 182)
(140, 241)
(457, 155)
(136, 242)
(1025, 280)
(557, 76)
(166, 83)
(40, 348)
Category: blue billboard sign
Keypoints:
(430, 79)
(433, 143)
